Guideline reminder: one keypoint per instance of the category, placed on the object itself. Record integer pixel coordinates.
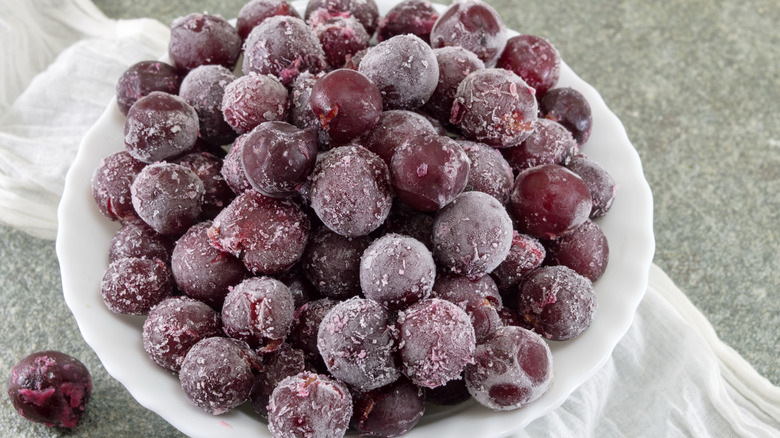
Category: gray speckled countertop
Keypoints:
(697, 86)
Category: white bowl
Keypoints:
(82, 247)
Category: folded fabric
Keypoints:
(670, 376)
(60, 61)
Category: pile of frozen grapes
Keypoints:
(364, 215)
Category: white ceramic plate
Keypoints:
(84, 236)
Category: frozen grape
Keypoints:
(111, 183)
(389, 411)
(357, 343)
(416, 17)
(404, 69)
(132, 286)
(136, 239)
(525, 255)
(341, 36)
(217, 374)
(256, 11)
(204, 88)
(346, 103)
(332, 263)
(412, 223)
(309, 405)
(479, 298)
(455, 63)
(306, 325)
(233, 168)
(200, 39)
(259, 311)
(472, 235)
(585, 250)
(160, 126)
(473, 25)
(168, 197)
(350, 190)
(568, 107)
(50, 387)
(489, 171)
(550, 143)
(277, 365)
(393, 129)
(549, 201)
(176, 324)
(557, 302)
(436, 342)
(216, 192)
(278, 157)
(301, 288)
(282, 46)
(142, 78)
(496, 107)
(268, 234)
(429, 171)
(534, 59)
(511, 369)
(202, 271)
(397, 271)
(365, 11)
(600, 182)
(253, 99)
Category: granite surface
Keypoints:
(697, 86)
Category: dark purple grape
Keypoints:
(568, 107)
(365, 11)
(534, 59)
(525, 254)
(357, 343)
(549, 201)
(350, 190)
(557, 302)
(397, 271)
(332, 263)
(282, 46)
(200, 39)
(202, 271)
(204, 88)
(449, 394)
(259, 311)
(306, 325)
(511, 369)
(269, 235)
(132, 286)
(455, 63)
(550, 143)
(389, 411)
(111, 185)
(278, 158)
(393, 129)
(301, 114)
(489, 171)
(277, 365)
(496, 107)
(353, 62)
(429, 171)
(600, 182)
(160, 126)
(416, 17)
(253, 99)
(346, 103)
(176, 324)
(168, 197)
(256, 11)
(404, 69)
(217, 374)
(585, 250)
(473, 25)
(341, 36)
(308, 405)
(300, 286)
(136, 239)
(50, 387)
(437, 342)
(412, 223)
(472, 235)
(217, 194)
(233, 169)
(479, 298)
(142, 78)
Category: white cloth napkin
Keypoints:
(669, 376)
